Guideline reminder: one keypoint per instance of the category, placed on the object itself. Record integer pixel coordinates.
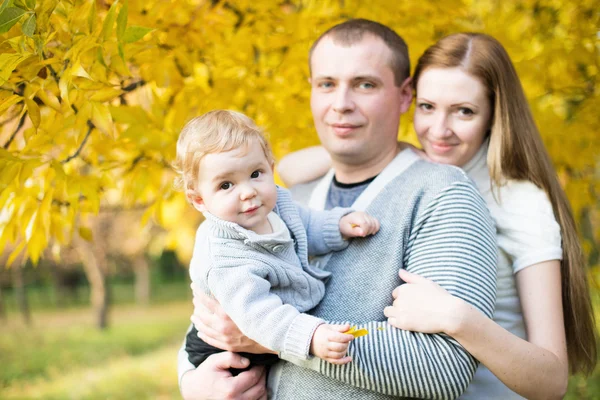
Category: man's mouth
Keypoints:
(343, 129)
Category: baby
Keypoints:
(251, 252)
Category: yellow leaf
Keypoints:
(86, 233)
(50, 100)
(102, 119)
(9, 101)
(357, 332)
(36, 246)
(105, 94)
(14, 254)
(33, 112)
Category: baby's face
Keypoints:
(238, 186)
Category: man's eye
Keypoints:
(226, 185)
(255, 174)
(325, 85)
(366, 85)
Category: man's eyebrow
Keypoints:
(324, 77)
(367, 78)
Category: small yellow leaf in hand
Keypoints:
(357, 332)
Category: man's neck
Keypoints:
(353, 173)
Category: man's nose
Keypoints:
(343, 100)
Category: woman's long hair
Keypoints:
(516, 151)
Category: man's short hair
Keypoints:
(352, 32)
(216, 131)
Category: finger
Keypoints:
(340, 327)
(252, 383)
(337, 347)
(226, 360)
(205, 324)
(410, 277)
(212, 337)
(389, 311)
(209, 303)
(340, 337)
(340, 361)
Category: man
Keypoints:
(433, 222)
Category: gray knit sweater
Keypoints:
(434, 223)
(265, 284)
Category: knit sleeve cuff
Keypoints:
(299, 335)
(331, 229)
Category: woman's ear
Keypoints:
(195, 199)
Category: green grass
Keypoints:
(67, 342)
(63, 355)
(44, 297)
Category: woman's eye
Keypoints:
(255, 174)
(226, 185)
(425, 106)
(465, 111)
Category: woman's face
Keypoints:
(452, 115)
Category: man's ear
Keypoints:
(406, 94)
(195, 199)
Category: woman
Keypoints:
(471, 112)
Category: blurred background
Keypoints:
(95, 243)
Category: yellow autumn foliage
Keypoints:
(93, 94)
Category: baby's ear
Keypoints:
(195, 199)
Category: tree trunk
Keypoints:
(95, 267)
(2, 308)
(142, 280)
(59, 293)
(21, 295)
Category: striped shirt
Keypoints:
(433, 223)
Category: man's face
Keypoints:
(355, 103)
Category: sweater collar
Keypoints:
(230, 230)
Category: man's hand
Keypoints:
(330, 343)
(358, 224)
(217, 329)
(212, 380)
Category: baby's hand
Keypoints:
(330, 343)
(358, 224)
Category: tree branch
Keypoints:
(131, 87)
(76, 154)
(19, 126)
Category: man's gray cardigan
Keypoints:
(265, 285)
(433, 223)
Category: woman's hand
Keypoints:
(212, 380)
(217, 329)
(421, 305)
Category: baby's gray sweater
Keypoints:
(265, 284)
